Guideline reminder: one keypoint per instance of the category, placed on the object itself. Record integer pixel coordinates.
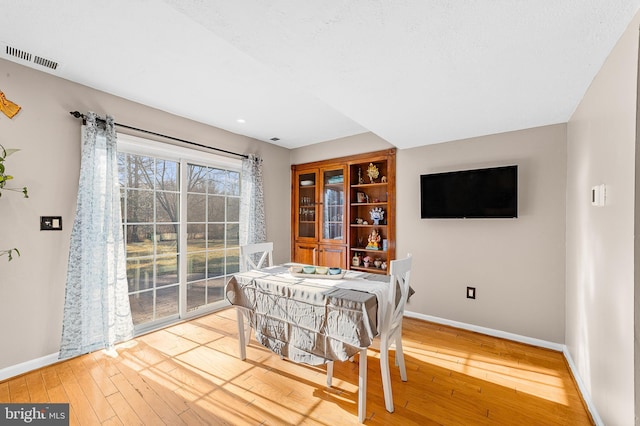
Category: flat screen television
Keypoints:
(479, 193)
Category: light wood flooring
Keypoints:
(190, 374)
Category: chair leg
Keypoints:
(400, 359)
(247, 335)
(329, 373)
(362, 386)
(241, 336)
(386, 374)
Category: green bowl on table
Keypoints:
(309, 269)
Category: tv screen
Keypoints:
(480, 193)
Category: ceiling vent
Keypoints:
(45, 62)
(17, 53)
(11, 52)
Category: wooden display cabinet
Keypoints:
(332, 200)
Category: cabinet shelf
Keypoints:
(379, 203)
(371, 269)
(384, 252)
(368, 185)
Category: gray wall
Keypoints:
(601, 140)
(358, 144)
(32, 286)
(516, 265)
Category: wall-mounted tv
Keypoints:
(480, 193)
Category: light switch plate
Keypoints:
(51, 223)
(599, 195)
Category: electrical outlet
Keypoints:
(471, 292)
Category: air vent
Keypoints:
(274, 139)
(11, 53)
(45, 62)
(20, 54)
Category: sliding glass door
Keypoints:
(181, 224)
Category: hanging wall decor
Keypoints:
(10, 109)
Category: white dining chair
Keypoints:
(250, 252)
(263, 252)
(390, 331)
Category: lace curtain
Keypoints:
(253, 227)
(96, 311)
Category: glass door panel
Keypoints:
(333, 205)
(213, 217)
(307, 205)
(151, 215)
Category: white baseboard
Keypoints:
(488, 331)
(586, 396)
(25, 367)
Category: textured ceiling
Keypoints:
(412, 72)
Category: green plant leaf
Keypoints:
(9, 253)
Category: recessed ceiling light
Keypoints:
(241, 120)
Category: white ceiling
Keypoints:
(414, 72)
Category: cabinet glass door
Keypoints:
(333, 205)
(307, 205)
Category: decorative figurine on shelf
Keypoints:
(374, 240)
(360, 180)
(372, 172)
(377, 214)
(383, 179)
(366, 261)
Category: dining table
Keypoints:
(308, 318)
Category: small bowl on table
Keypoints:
(322, 270)
(335, 271)
(309, 269)
(295, 269)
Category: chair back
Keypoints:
(256, 256)
(400, 273)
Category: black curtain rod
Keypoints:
(77, 114)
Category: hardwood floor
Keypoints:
(190, 374)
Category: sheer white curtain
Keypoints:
(253, 228)
(96, 312)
